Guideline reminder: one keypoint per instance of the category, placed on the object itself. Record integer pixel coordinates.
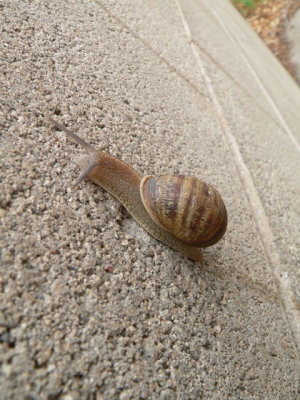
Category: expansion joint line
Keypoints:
(283, 284)
(277, 112)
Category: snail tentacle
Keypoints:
(86, 171)
(88, 148)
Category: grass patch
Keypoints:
(246, 6)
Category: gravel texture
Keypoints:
(91, 306)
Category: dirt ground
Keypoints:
(270, 19)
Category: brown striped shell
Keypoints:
(185, 206)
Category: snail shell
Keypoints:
(187, 207)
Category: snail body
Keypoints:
(181, 211)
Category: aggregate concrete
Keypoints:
(91, 306)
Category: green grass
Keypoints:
(246, 6)
(246, 3)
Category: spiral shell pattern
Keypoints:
(187, 207)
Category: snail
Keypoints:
(183, 212)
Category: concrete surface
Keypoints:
(91, 306)
(293, 36)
